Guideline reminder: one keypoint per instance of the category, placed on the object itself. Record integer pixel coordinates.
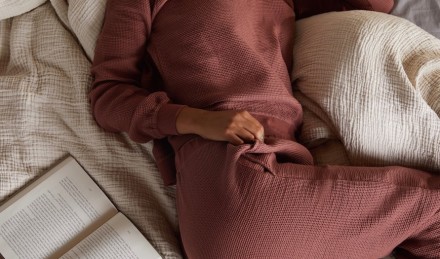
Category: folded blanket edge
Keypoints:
(9, 9)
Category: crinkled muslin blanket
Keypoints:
(370, 86)
(83, 18)
(45, 115)
(11, 8)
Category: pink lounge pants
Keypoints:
(264, 201)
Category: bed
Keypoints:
(46, 48)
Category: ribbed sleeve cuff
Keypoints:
(166, 118)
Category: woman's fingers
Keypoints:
(246, 135)
(246, 127)
(254, 127)
(235, 140)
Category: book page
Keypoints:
(117, 238)
(55, 212)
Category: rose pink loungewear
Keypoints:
(261, 200)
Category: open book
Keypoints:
(64, 214)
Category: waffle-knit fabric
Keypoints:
(261, 201)
(221, 55)
(265, 200)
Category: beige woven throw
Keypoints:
(45, 115)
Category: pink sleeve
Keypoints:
(306, 8)
(120, 100)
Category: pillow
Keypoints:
(372, 79)
(424, 13)
(10, 8)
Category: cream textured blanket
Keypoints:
(82, 17)
(11, 8)
(45, 115)
(371, 82)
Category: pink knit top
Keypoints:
(154, 57)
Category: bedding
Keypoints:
(377, 94)
(44, 108)
(390, 116)
(424, 13)
(11, 8)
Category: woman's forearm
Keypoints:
(236, 127)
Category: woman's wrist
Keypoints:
(187, 121)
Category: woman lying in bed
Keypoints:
(209, 82)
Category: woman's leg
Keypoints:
(257, 207)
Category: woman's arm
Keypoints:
(306, 8)
(119, 102)
(236, 127)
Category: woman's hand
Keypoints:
(236, 127)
